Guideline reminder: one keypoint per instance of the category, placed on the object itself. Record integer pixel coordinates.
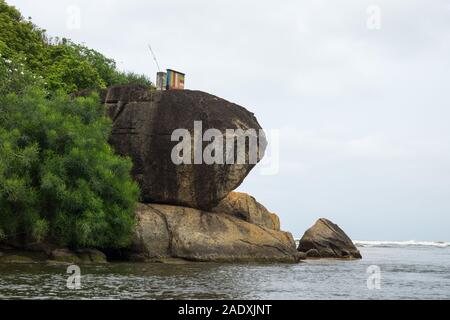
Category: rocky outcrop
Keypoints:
(143, 122)
(43, 254)
(245, 207)
(179, 232)
(326, 240)
(190, 211)
(17, 259)
(78, 256)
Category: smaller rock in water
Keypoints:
(64, 255)
(16, 259)
(15, 256)
(91, 256)
(329, 241)
(80, 256)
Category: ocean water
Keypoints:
(407, 270)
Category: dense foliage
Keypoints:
(15, 77)
(60, 180)
(61, 63)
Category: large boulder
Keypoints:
(245, 207)
(165, 231)
(329, 241)
(143, 122)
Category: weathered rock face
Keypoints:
(245, 207)
(313, 253)
(143, 122)
(329, 240)
(186, 233)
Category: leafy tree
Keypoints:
(15, 77)
(70, 71)
(62, 64)
(59, 178)
(20, 37)
(131, 77)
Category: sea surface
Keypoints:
(388, 270)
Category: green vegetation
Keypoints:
(60, 181)
(60, 63)
(59, 178)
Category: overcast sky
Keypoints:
(362, 107)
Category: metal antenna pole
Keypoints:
(154, 58)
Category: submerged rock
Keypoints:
(17, 259)
(49, 253)
(15, 256)
(245, 207)
(64, 255)
(83, 256)
(143, 122)
(328, 240)
(190, 234)
(91, 256)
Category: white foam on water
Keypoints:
(410, 243)
(392, 244)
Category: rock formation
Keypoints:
(143, 122)
(189, 210)
(165, 231)
(326, 240)
(245, 207)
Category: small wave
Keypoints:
(392, 244)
